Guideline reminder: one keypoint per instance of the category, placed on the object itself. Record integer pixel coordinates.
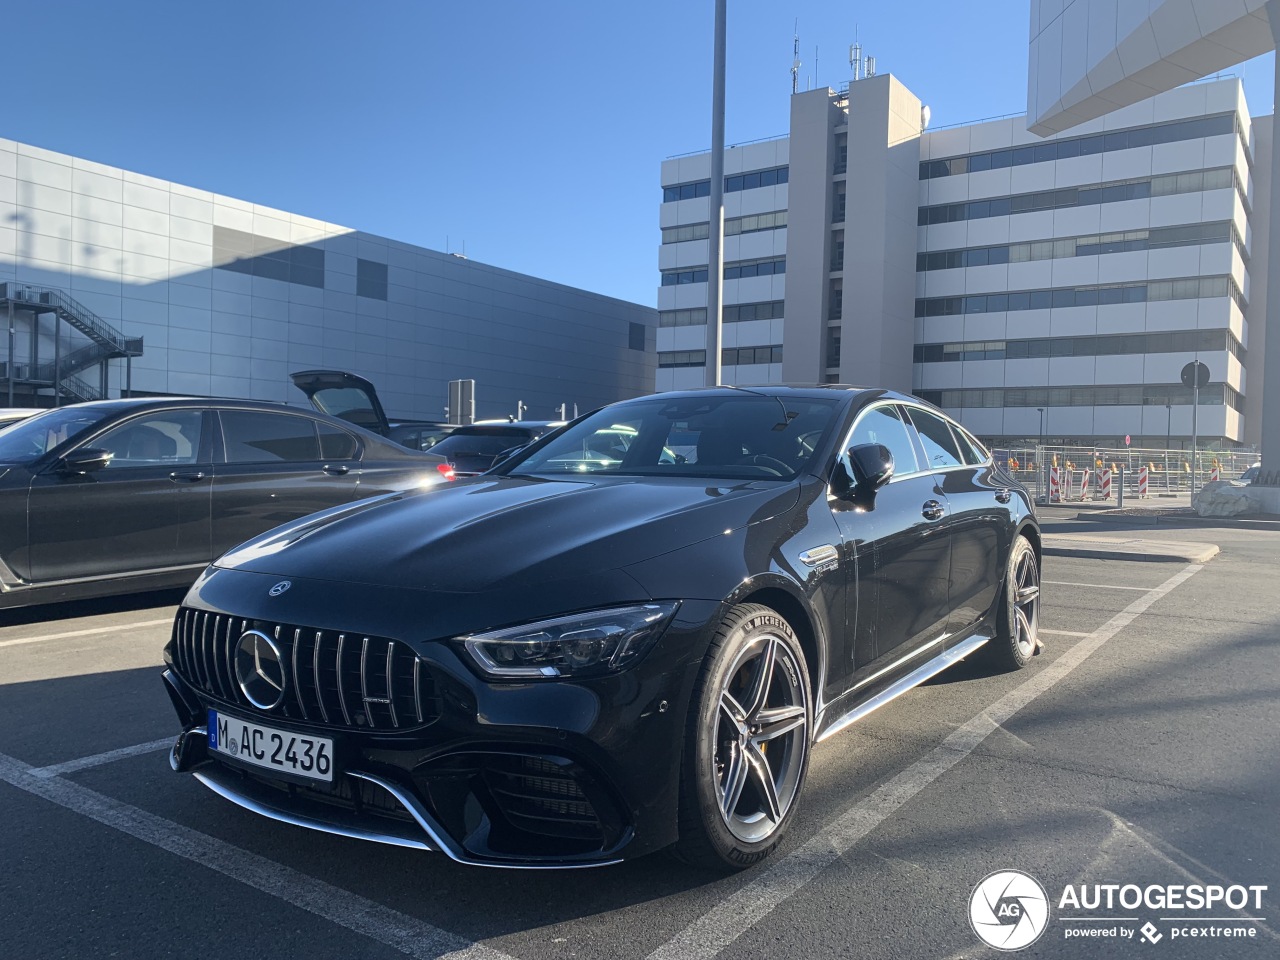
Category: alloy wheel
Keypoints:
(761, 735)
(1026, 603)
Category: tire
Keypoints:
(1017, 637)
(746, 743)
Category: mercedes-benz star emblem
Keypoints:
(260, 669)
(279, 588)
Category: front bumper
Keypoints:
(552, 774)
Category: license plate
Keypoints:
(252, 743)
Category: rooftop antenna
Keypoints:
(795, 62)
(815, 64)
(871, 67)
(855, 56)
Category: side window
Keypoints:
(940, 447)
(883, 425)
(970, 449)
(253, 437)
(158, 439)
(335, 443)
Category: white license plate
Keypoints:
(280, 750)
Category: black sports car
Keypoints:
(575, 659)
(125, 495)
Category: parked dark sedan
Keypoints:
(475, 448)
(574, 660)
(124, 495)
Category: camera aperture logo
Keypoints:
(1008, 910)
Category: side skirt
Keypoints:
(913, 679)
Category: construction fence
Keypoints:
(1072, 473)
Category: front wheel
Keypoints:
(747, 743)
(1017, 637)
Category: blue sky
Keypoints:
(530, 132)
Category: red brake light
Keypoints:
(446, 471)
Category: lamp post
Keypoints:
(715, 260)
(1168, 428)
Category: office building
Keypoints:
(1031, 287)
(114, 282)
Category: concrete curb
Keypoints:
(1128, 548)
(1167, 519)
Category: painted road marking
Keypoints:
(1063, 633)
(98, 759)
(94, 631)
(724, 923)
(1095, 586)
(409, 935)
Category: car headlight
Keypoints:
(581, 645)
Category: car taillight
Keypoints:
(446, 471)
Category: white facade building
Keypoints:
(115, 282)
(1032, 287)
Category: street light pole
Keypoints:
(715, 252)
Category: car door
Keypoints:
(272, 470)
(982, 531)
(898, 583)
(147, 509)
(978, 520)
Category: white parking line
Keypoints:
(98, 759)
(86, 633)
(1063, 633)
(1096, 586)
(402, 932)
(724, 923)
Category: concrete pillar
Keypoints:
(1271, 362)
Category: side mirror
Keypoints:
(85, 460)
(872, 468)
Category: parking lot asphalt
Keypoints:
(1142, 747)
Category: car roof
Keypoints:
(810, 391)
(129, 404)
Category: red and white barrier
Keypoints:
(1055, 485)
(1142, 483)
(1214, 475)
(1085, 477)
(1104, 485)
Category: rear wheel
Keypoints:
(1017, 637)
(747, 746)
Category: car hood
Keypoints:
(496, 532)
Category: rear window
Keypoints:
(252, 437)
(486, 444)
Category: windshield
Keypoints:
(747, 436)
(31, 439)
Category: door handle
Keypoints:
(187, 477)
(1004, 495)
(336, 469)
(932, 510)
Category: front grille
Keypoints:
(344, 680)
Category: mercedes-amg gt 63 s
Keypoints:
(576, 658)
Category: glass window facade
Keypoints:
(1156, 238)
(1135, 395)
(371, 279)
(1140, 188)
(1175, 341)
(741, 181)
(1146, 136)
(267, 257)
(1193, 288)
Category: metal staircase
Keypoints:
(104, 342)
